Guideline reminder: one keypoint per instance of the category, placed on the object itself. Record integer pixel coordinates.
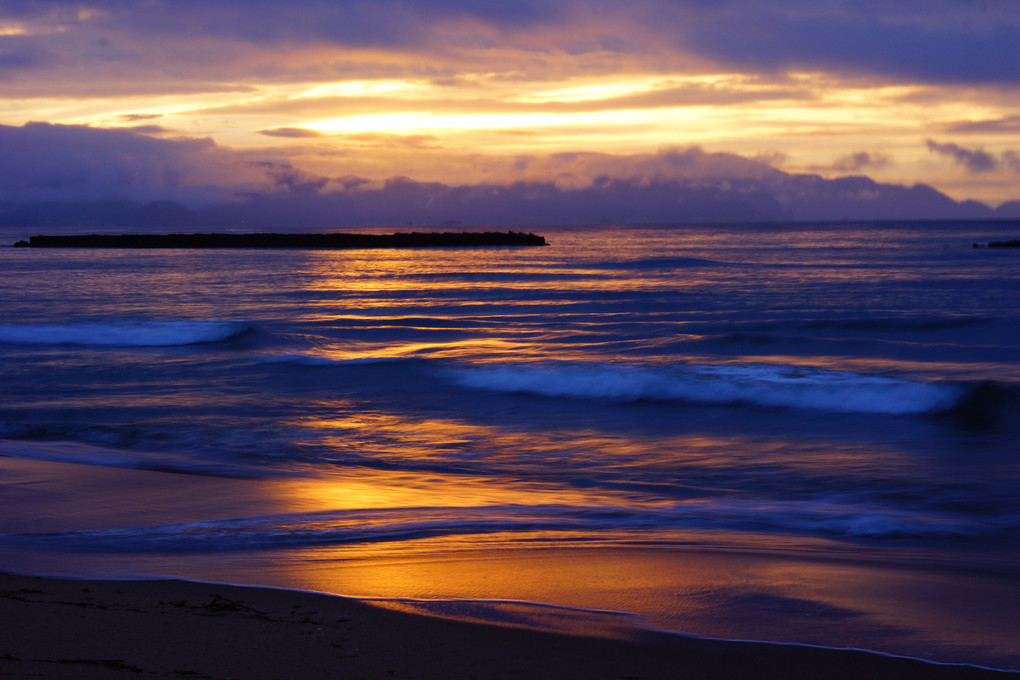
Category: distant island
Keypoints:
(270, 240)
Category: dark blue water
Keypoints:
(845, 390)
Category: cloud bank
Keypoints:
(44, 162)
(57, 175)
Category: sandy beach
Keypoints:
(57, 628)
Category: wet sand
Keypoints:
(55, 628)
(925, 612)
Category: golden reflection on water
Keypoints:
(370, 489)
(930, 613)
(424, 289)
(391, 435)
(550, 456)
(446, 350)
(505, 479)
(421, 274)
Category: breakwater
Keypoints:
(273, 240)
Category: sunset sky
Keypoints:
(469, 91)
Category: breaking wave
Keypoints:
(759, 384)
(81, 453)
(123, 333)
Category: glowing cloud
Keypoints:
(456, 89)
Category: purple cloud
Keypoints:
(940, 41)
(859, 160)
(937, 42)
(391, 23)
(52, 174)
(975, 160)
(44, 162)
(20, 57)
(1012, 160)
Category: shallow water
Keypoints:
(626, 397)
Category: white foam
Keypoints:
(122, 333)
(765, 385)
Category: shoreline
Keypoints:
(70, 628)
(937, 614)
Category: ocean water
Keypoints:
(608, 422)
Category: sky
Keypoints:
(217, 100)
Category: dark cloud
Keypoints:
(391, 23)
(860, 160)
(937, 41)
(928, 43)
(21, 10)
(975, 160)
(20, 58)
(44, 162)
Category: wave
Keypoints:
(606, 524)
(878, 324)
(931, 336)
(758, 384)
(123, 333)
(90, 454)
(661, 263)
(895, 325)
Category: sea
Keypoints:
(798, 433)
